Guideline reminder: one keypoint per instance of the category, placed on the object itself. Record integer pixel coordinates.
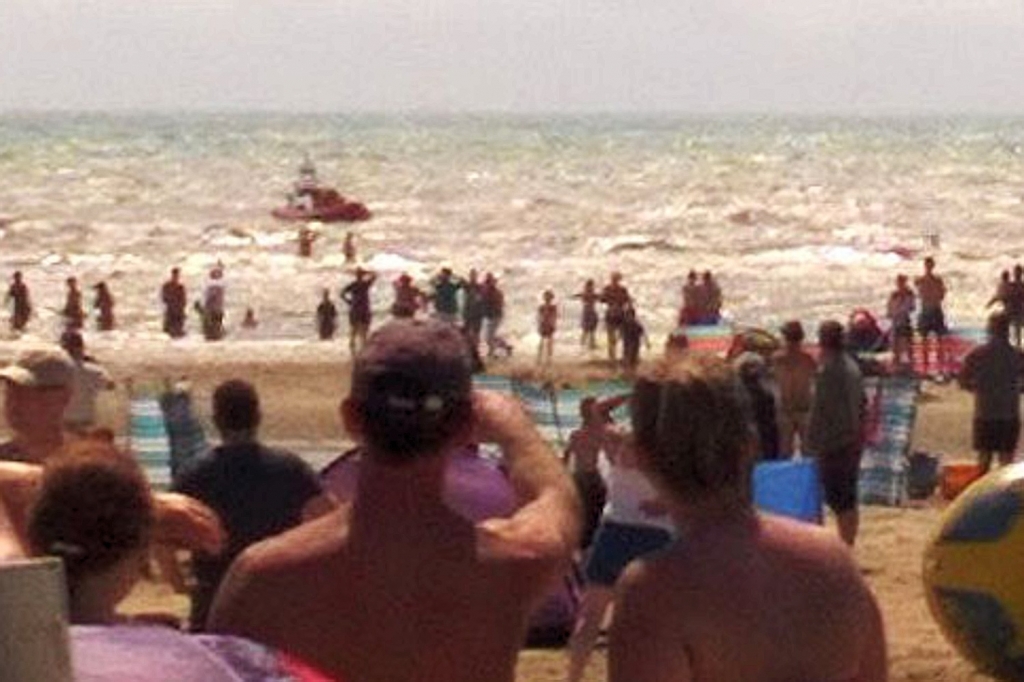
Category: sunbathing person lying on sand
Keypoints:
(741, 596)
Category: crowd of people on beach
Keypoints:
(392, 583)
(395, 584)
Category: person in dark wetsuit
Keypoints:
(616, 297)
(588, 316)
(74, 311)
(356, 295)
(19, 296)
(326, 317)
(104, 305)
(172, 293)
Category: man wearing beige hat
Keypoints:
(37, 388)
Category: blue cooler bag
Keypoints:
(789, 488)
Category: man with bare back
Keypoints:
(794, 375)
(931, 320)
(742, 596)
(396, 585)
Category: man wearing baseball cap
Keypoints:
(37, 388)
(396, 585)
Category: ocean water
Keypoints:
(797, 217)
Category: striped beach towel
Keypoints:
(148, 441)
(891, 415)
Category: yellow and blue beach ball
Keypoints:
(974, 573)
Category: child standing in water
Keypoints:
(547, 321)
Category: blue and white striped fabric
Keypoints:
(539, 401)
(883, 470)
(555, 410)
(148, 440)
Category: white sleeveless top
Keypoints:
(627, 488)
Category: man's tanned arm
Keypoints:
(549, 518)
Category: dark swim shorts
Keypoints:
(840, 470)
(617, 544)
(996, 435)
(932, 321)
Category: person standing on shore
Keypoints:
(900, 311)
(835, 430)
(326, 317)
(17, 294)
(615, 297)
(1013, 303)
(408, 297)
(493, 302)
(73, 311)
(397, 585)
(588, 315)
(931, 290)
(356, 296)
(993, 372)
(547, 322)
(633, 335)
(691, 310)
(711, 605)
(104, 305)
(212, 308)
(445, 296)
(175, 301)
(472, 310)
(794, 373)
(711, 299)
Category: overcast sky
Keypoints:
(852, 56)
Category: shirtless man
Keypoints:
(615, 296)
(588, 316)
(397, 586)
(18, 294)
(37, 389)
(356, 295)
(547, 322)
(712, 606)
(931, 291)
(582, 455)
(900, 310)
(794, 374)
(173, 296)
(691, 310)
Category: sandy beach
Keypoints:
(300, 401)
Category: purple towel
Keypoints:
(130, 653)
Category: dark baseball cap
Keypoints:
(413, 365)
